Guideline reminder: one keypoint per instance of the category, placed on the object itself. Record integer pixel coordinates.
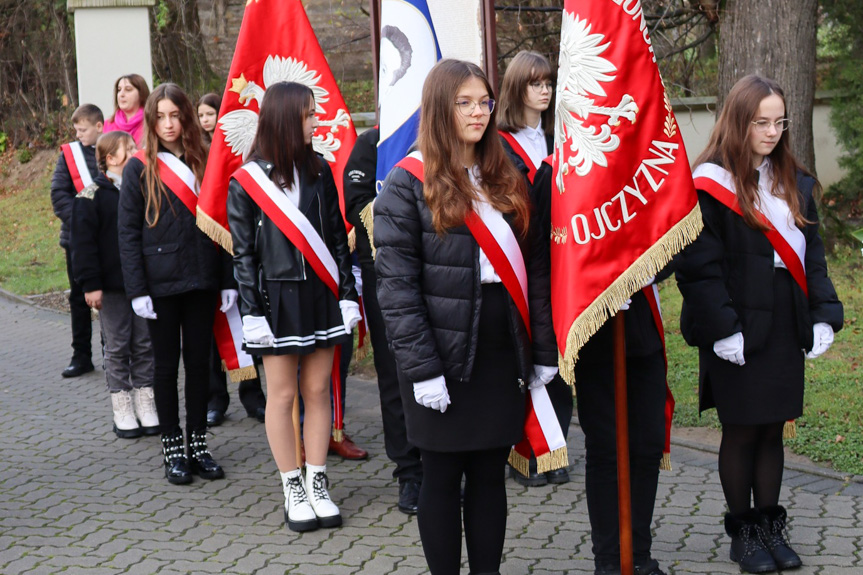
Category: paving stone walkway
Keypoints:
(75, 499)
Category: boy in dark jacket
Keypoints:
(76, 169)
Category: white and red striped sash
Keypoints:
(291, 221)
(73, 153)
(494, 236)
(718, 182)
(177, 177)
(522, 153)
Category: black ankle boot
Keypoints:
(774, 521)
(748, 546)
(176, 465)
(202, 461)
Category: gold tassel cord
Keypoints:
(665, 462)
(557, 459)
(215, 231)
(352, 240)
(243, 373)
(789, 430)
(608, 303)
(368, 220)
(519, 462)
(338, 435)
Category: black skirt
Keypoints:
(304, 316)
(768, 388)
(488, 407)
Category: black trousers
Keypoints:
(82, 322)
(251, 394)
(398, 448)
(188, 316)
(439, 517)
(594, 384)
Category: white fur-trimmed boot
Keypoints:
(299, 515)
(145, 410)
(316, 487)
(125, 424)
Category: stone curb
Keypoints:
(15, 298)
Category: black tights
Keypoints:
(439, 516)
(751, 459)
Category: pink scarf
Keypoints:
(134, 126)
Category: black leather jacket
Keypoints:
(263, 252)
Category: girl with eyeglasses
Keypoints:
(757, 302)
(526, 117)
(465, 349)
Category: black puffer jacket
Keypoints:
(94, 248)
(262, 251)
(429, 289)
(723, 274)
(63, 191)
(174, 256)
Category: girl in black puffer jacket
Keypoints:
(463, 351)
(173, 273)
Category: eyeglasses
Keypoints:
(466, 107)
(762, 126)
(539, 86)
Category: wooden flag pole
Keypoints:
(621, 413)
(490, 42)
(375, 23)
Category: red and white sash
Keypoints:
(651, 292)
(543, 435)
(228, 328)
(522, 153)
(718, 182)
(73, 153)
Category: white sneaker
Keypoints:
(299, 514)
(317, 483)
(145, 410)
(125, 424)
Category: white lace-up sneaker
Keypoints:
(145, 410)
(125, 424)
(299, 514)
(316, 487)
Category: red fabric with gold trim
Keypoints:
(651, 292)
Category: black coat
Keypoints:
(359, 186)
(94, 245)
(262, 251)
(429, 289)
(174, 256)
(726, 275)
(63, 191)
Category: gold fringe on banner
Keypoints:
(632, 280)
(789, 430)
(338, 435)
(215, 231)
(557, 459)
(519, 462)
(665, 462)
(243, 373)
(368, 220)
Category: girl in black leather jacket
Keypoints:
(462, 349)
(292, 316)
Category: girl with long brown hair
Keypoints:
(460, 340)
(297, 295)
(173, 273)
(756, 292)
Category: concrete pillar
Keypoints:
(112, 38)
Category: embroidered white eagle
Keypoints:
(240, 126)
(582, 68)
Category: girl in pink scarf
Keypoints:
(130, 93)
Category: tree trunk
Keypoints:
(776, 39)
(178, 47)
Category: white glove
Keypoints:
(626, 305)
(432, 393)
(730, 349)
(350, 314)
(822, 339)
(143, 307)
(256, 330)
(229, 298)
(542, 375)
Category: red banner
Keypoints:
(276, 43)
(624, 202)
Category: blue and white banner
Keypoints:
(409, 49)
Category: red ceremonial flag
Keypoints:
(276, 44)
(624, 202)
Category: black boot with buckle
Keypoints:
(176, 465)
(748, 542)
(202, 461)
(774, 523)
